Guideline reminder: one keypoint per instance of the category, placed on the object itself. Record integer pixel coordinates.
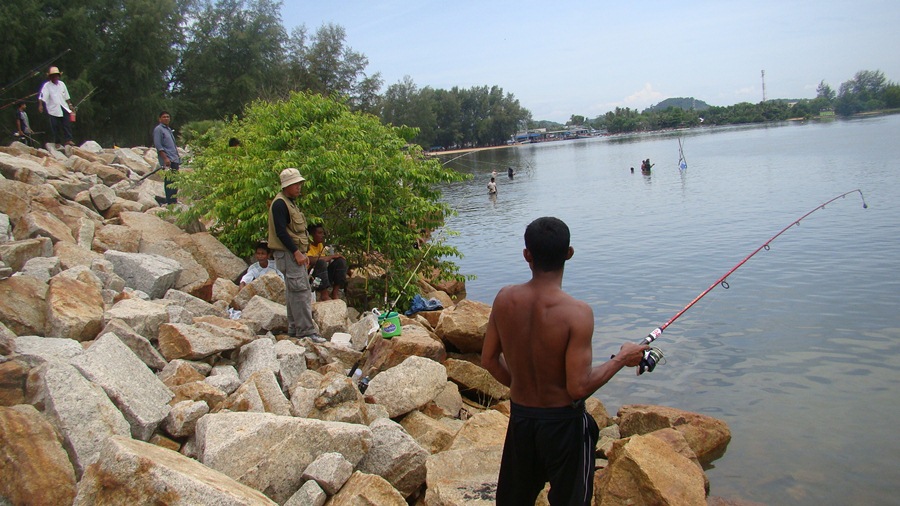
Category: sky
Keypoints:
(567, 58)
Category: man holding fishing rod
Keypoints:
(538, 342)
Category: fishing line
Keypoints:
(653, 356)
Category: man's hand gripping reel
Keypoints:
(652, 357)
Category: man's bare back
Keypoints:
(538, 342)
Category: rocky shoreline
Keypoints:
(125, 379)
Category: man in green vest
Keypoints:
(289, 242)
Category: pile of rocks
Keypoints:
(124, 378)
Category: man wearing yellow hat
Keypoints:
(55, 97)
(289, 242)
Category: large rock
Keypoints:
(17, 253)
(196, 306)
(213, 255)
(414, 340)
(133, 472)
(42, 224)
(646, 470)
(269, 452)
(260, 393)
(139, 344)
(464, 325)
(463, 477)
(337, 399)
(266, 314)
(330, 316)
(132, 387)
(193, 278)
(484, 430)
(258, 355)
(39, 349)
(151, 274)
(74, 309)
(192, 342)
(330, 471)
(364, 488)
(78, 409)
(707, 436)
(150, 226)
(268, 286)
(395, 456)
(433, 435)
(408, 386)
(475, 382)
(143, 316)
(34, 468)
(116, 238)
(23, 305)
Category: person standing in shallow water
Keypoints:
(538, 343)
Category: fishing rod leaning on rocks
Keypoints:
(653, 356)
(375, 330)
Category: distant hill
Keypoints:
(686, 103)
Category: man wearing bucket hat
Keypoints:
(55, 97)
(289, 242)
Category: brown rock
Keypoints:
(17, 253)
(34, 467)
(42, 224)
(198, 391)
(135, 472)
(475, 382)
(414, 340)
(117, 237)
(13, 377)
(213, 255)
(431, 434)
(74, 309)
(707, 436)
(464, 325)
(646, 470)
(598, 411)
(15, 199)
(364, 488)
(23, 305)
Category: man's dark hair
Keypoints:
(234, 142)
(311, 229)
(547, 239)
(262, 245)
(163, 112)
(20, 103)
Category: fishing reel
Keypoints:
(652, 357)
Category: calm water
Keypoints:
(801, 356)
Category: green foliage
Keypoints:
(375, 193)
(478, 116)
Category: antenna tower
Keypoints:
(764, 84)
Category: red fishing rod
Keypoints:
(653, 355)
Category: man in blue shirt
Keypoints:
(164, 140)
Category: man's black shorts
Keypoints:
(548, 444)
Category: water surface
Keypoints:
(799, 356)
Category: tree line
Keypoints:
(206, 60)
(867, 91)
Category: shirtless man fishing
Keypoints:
(538, 342)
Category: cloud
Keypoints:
(643, 98)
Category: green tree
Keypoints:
(374, 191)
(234, 52)
(403, 104)
(133, 67)
(325, 65)
(825, 92)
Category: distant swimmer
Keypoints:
(492, 187)
(510, 172)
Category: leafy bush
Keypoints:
(376, 194)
